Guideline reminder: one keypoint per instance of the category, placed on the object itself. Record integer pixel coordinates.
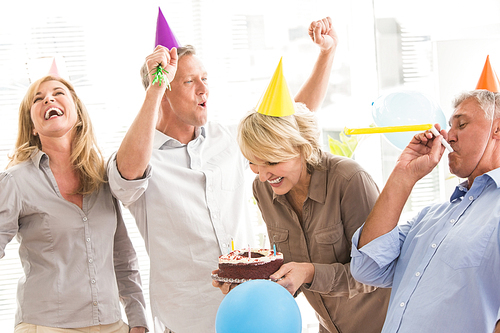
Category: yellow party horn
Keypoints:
(392, 129)
(387, 129)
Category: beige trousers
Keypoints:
(118, 327)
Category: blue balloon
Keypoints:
(405, 108)
(258, 306)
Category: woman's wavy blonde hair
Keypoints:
(86, 156)
(278, 139)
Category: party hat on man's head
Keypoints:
(53, 71)
(489, 79)
(277, 101)
(164, 36)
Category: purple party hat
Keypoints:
(164, 36)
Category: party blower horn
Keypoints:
(403, 111)
(392, 129)
(277, 100)
(488, 79)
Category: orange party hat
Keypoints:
(489, 79)
(277, 101)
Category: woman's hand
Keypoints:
(294, 274)
(138, 330)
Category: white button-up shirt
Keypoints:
(191, 201)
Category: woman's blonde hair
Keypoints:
(278, 139)
(86, 157)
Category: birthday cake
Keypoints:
(238, 265)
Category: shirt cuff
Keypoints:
(322, 280)
(382, 250)
(127, 191)
(136, 317)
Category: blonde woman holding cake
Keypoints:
(312, 203)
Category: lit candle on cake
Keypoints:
(274, 249)
(232, 245)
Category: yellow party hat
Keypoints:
(277, 101)
(488, 79)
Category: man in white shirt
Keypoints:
(183, 180)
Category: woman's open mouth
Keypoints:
(275, 181)
(53, 112)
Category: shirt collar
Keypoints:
(161, 140)
(38, 157)
(495, 175)
(317, 186)
(461, 188)
(459, 192)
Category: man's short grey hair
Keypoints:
(486, 100)
(181, 51)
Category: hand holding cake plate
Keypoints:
(244, 265)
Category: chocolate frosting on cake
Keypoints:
(259, 265)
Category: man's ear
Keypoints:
(496, 129)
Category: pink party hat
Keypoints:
(489, 79)
(164, 36)
(53, 69)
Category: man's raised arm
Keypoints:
(418, 159)
(313, 92)
(136, 148)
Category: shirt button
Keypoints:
(88, 240)
(85, 219)
(95, 303)
(471, 198)
(433, 246)
(402, 304)
(452, 221)
(93, 281)
(90, 260)
(417, 274)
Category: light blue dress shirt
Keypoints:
(443, 265)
